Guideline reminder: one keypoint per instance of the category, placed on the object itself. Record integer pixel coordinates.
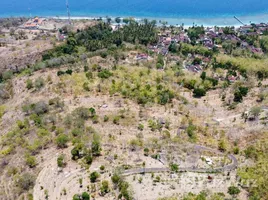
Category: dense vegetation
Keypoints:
(102, 36)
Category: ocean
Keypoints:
(173, 11)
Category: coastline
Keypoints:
(188, 21)
(177, 21)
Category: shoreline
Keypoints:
(186, 21)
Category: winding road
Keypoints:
(229, 167)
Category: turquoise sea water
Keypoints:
(173, 10)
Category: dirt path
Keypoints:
(55, 182)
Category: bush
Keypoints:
(77, 132)
(222, 145)
(96, 145)
(85, 196)
(59, 73)
(116, 120)
(26, 181)
(146, 151)
(116, 178)
(86, 68)
(40, 108)
(94, 176)
(174, 167)
(104, 187)
(141, 127)
(199, 92)
(29, 84)
(62, 140)
(7, 75)
(39, 83)
(236, 150)
(88, 159)
(30, 161)
(232, 190)
(89, 75)
(69, 71)
(82, 113)
(105, 74)
(61, 161)
(76, 197)
(106, 118)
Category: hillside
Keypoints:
(138, 112)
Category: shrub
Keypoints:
(94, 176)
(190, 130)
(61, 161)
(7, 75)
(39, 83)
(105, 74)
(2, 110)
(76, 197)
(104, 187)
(86, 86)
(62, 140)
(29, 84)
(59, 73)
(86, 68)
(85, 196)
(76, 153)
(96, 145)
(146, 151)
(30, 161)
(199, 92)
(40, 108)
(116, 178)
(69, 71)
(77, 132)
(82, 113)
(236, 150)
(26, 181)
(89, 75)
(174, 167)
(222, 145)
(88, 159)
(238, 96)
(105, 118)
(116, 120)
(141, 127)
(232, 190)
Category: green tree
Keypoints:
(118, 20)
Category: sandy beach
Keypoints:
(217, 21)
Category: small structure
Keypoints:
(142, 56)
(209, 161)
